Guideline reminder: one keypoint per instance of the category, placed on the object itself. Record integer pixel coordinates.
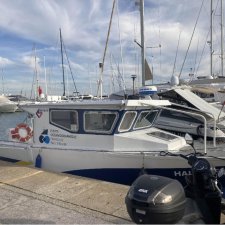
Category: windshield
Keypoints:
(146, 119)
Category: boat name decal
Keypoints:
(55, 133)
(180, 173)
(63, 135)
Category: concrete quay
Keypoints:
(33, 196)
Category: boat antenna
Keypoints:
(64, 89)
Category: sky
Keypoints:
(30, 53)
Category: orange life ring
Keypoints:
(22, 132)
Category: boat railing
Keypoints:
(200, 116)
(197, 115)
(206, 112)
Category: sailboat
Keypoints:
(106, 139)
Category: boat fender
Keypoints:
(38, 161)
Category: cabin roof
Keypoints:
(96, 104)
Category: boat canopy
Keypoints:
(195, 101)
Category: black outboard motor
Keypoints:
(160, 200)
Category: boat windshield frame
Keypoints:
(127, 121)
(139, 121)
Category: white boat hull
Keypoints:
(8, 107)
(118, 167)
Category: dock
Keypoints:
(34, 196)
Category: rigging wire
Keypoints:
(174, 65)
(35, 75)
(121, 50)
(216, 34)
(202, 53)
(70, 68)
(191, 38)
(160, 49)
(136, 52)
(112, 75)
(205, 44)
(119, 77)
(196, 57)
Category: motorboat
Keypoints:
(181, 123)
(111, 140)
(194, 112)
(106, 139)
(91, 137)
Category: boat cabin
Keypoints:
(98, 125)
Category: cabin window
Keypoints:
(145, 119)
(127, 121)
(65, 119)
(99, 121)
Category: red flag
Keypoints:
(39, 90)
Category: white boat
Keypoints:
(7, 106)
(193, 123)
(112, 140)
(181, 123)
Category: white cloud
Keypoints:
(84, 27)
(32, 62)
(5, 62)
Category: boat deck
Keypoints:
(29, 195)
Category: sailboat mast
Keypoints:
(142, 41)
(64, 89)
(102, 64)
(36, 74)
(221, 11)
(211, 39)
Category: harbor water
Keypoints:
(10, 120)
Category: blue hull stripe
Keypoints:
(128, 176)
(9, 160)
(125, 176)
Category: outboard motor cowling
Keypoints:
(155, 199)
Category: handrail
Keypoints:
(213, 117)
(194, 114)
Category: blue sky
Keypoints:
(34, 24)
